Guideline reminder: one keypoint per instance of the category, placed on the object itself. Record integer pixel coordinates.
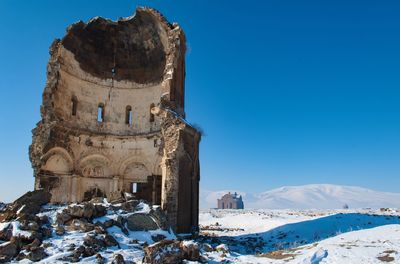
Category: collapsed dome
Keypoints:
(132, 49)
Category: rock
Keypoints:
(63, 217)
(158, 237)
(110, 241)
(99, 258)
(166, 251)
(108, 223)
(120, 222)
(39, 197)
(34, 244)
(87, 210)
(81, 225)
(99, 230)
(43, 220)
(47, 232)
(60, 230)
(222, 248)
(160, 217)
(130, 206)
(116, 197)
(37, 254)
(6, 233)
(96, 200)
(29, 203)
(29, 226)
(207, 247)
(90, 251)
(99, 210)
(92, 194)
(94, 241)
(118, 259)
(191, 250)
(141, 222)
(9, 249)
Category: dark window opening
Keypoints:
(128, 115)
(151, 114)
(100, 113)
(74, 102)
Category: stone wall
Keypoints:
(113, 116)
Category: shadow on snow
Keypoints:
(306, 232)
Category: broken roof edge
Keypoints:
(139, 10)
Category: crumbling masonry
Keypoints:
(113, 117)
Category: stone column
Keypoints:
(74, 188)
(115, 186)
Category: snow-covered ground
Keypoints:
(320, 196)
(302, 236)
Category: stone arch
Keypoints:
(58, 161)
(132, 160)
(157, 166)
(95, 165)
(136, 172)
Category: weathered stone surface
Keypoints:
(118, 259)
(6, 233)
(166, 251)
(9, 249)
(36, 254)
(190, 250)
(110, 241)
(113, 120)
(171, 251)
(28, 204)
(141, 222)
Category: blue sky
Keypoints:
(287, 92)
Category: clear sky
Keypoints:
(287, 92)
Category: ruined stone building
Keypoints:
(231, 201)
(113, 117)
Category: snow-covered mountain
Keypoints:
(318, 196)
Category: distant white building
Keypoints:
(231, 201)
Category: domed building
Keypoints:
(231, 201)
(113, 117)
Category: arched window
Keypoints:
(74, 105)
(151, 114)
(100, 113)
(128, 115)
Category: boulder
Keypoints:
(6, 232)
(141, 222)
(110, 241)
(158, 237)
(130, 206)
(116, 197)
(36, 254)
(93, 193)
(80, 225)
(160, 217)
(118, 259)
(94, 241)
(166, 251)
(190, 250)
(9, 249)
(60, 230)
(29, 203)
(87, 210)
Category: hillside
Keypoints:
(318, 196)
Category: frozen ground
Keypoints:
(247, 236)
(301, 236)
